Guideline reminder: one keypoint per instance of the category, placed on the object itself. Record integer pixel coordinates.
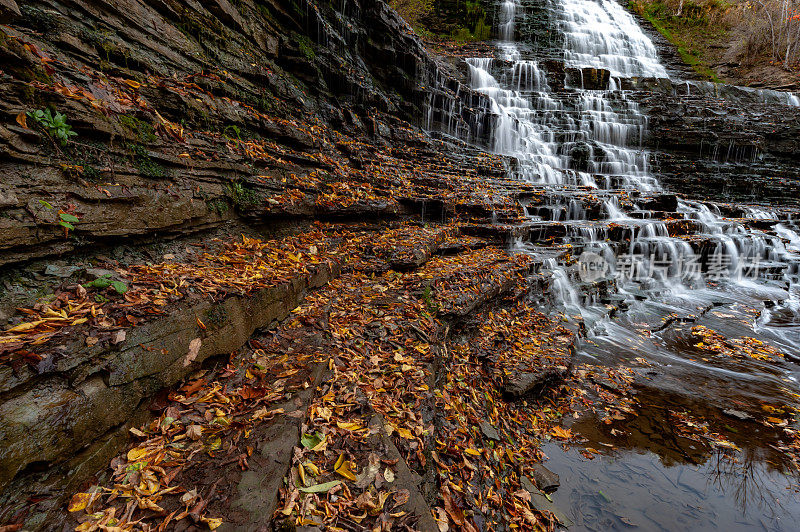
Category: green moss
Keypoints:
(109, 47)
(201, 28)
(30, 96)
(693, 58)
(219, 206)
(90, 172)
(265, 12)
(688, 32)
(243, 197)
(306, 47)
(144, 163)
(142, 130)
(460, 21)
(90, 156)
(24, 71)
(38, 19)
(297, 9)
(233, 132)
(216, 315)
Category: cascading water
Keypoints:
(592, 138)
(580, 143)
(603, 35)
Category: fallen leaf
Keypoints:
(212, 522)
(401, 497)
(118, 337)
(194, 349)
(194, 432)
(345, 471)
(561, 433)
(80, 501)
(321, 488)
(450, 507)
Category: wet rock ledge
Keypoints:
(368, 371)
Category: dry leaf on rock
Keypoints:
(194, 349)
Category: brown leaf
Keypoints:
(450, 507)
(194, 349)
(194, 432)
(118, 337)
(192, 387)
(22, 119)
(401, 497)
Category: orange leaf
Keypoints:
(559, 432)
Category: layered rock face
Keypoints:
(193, 120)
(722, 143)
(165, 97)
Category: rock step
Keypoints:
(365, 344)
(527, 356)
(458, 284)
(402, 249)
(78, 404)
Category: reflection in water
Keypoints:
(661, 470)
(627, 489)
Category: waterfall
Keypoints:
(575, 140)
(603, 35)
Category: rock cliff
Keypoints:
(205, 129)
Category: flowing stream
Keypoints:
(649, 272)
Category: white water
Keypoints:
(591, 139)
(603, 35)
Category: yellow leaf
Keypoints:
(312, 467)
(405, 433)
(324, 412)
(320, 447)
(80, 501)
(137, 453)
(562, 433)
(147, 504)
(344, 470)
(25, 326)
(348, 426)
(212, 522)
(473, 452)
(725, 444)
